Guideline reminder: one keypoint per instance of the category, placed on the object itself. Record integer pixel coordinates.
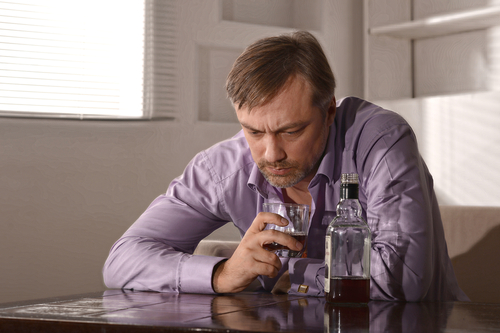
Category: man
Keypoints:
(295, 142)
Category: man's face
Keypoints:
(287, 136)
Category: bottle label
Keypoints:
(328, 260)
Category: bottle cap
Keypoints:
(349, 178)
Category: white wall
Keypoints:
(459, 138)
(453, 75)
(69, 189)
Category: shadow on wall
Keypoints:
(478, 270)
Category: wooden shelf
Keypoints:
(442, 24)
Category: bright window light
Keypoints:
(72, 58)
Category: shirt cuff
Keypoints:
(307, 277)
(195, 274)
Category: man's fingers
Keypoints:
(250, 258)
(267, 263)
(269, 271)
(265, 218)
(274, 236)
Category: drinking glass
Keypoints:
(298, 226)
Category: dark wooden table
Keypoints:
(127, 311)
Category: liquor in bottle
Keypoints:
(347, 249)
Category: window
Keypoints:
(81, 59)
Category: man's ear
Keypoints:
(330, 113)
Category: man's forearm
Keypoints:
(148, 264)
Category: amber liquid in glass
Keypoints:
(349, 291)
(278, 247)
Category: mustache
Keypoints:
(277, 165)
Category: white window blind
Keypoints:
(82, 59)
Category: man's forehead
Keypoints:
(294, 82)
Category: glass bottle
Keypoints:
(347, 249)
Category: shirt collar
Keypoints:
(327, 165)
(257, 182)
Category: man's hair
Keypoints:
(263, 69)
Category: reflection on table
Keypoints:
(116, 310)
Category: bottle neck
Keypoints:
(349, 191)
(349, 205)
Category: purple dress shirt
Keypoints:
(409, 259)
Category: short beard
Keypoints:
(292, 179)
(282, 181)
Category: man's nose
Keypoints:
(274, 150)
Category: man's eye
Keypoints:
(254, 133)
(292, 133)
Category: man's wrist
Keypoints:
(215, 274)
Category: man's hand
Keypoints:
(250, 259)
